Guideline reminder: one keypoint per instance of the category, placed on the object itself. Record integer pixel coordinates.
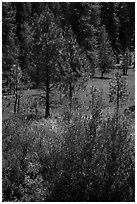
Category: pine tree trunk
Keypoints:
(15, 104)
(47, 114)
(18, 103)
(60, 96)
(125, 71)
(70, 94)
(117, 105)
(37, 79)
(16, 94)
(117, 57)
(10, 81)
(102, 74)
(36, 109)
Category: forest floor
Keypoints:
(83, 96)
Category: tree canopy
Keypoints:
(40, 35)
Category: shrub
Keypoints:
(96, 168)
(50, 160)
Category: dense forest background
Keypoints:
(40, 35)
(68, 101)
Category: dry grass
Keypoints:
(82, 95)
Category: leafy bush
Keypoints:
(96, 167)
(50, 160)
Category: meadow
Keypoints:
(82, 96)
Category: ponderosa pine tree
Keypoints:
(22, 15)
(16, 78)
(10, 48)
(105, 52)
(89, 23)
(46, 51)
(125, 63)
(11, 51)
(110, 18)
(75, 63)
(126, 12)
(83, 18)
(118, 92)
(119, 19)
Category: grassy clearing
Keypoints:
(103, 86)
(28, 96)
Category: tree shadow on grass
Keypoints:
(104, 78)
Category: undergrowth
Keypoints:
(81, 158)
